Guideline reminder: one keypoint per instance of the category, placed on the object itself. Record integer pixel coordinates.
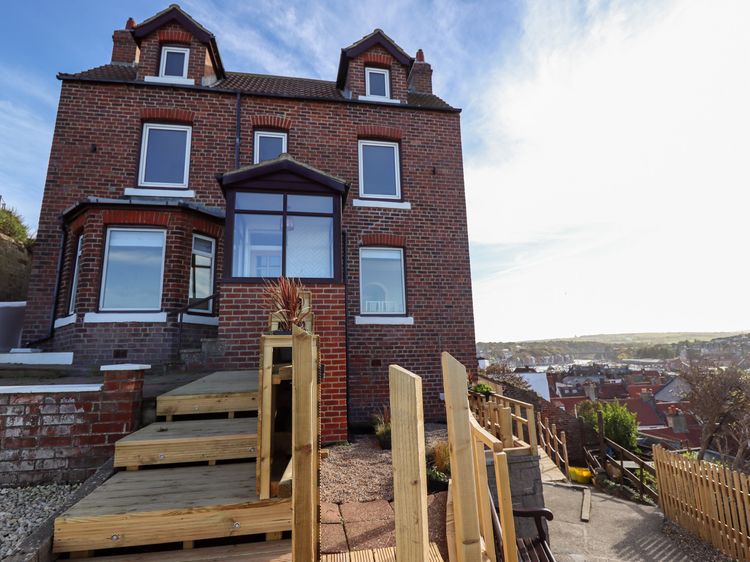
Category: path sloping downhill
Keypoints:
(619, 530)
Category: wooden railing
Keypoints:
(554, 444)
(510, 421)
(473, 535)
(709, 500)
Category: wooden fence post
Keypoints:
(506, 427)
(602, 448)
(305, 447)
(409, 471)
(555, 442)
(505, 507)
(565, 455)
(466, 509)
(532, 431)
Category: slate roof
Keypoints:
(258, 84)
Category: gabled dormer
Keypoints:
(173, 48)
(374, 68)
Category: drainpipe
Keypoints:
(345, 274)
(237, 133)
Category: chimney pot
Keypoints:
(420, 55)
(130, 24)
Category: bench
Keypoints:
(529, 550)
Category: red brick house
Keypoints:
(175, 187)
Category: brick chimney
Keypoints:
(676, 420)
(124, 49)
(589, 389)
(647, 395)
(420, 77)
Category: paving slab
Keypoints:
(378, 510)
(332, 538)
(363, 535)
(329, 513)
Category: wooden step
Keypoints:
(188, 441)
(220, 392)
(272, 551)
(386, 554)
(169, 505)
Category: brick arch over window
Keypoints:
(271, 122)
(170, 115)
(387, 240)
(379, 132)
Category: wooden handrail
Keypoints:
(554, 445)
(507, 419)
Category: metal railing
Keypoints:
(191, 307)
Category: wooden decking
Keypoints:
(221, 392)
(273, 551)
(188, 441)
(170, 505)
(387, 554)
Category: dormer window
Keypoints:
(377, 83)
(174, 62)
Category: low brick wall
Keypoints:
(63, 434)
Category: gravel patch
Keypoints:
(698, 549)
(361, 471)
(22, 510)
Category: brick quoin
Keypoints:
(96, 153)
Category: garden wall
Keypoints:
(63, 433)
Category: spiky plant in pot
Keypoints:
(285, 299)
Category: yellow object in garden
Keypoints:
(580, 475)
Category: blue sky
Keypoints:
(605, 142)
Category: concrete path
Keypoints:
(550, 471)
(619, 530)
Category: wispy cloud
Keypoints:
(626, 121)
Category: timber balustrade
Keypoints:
(510, 421)
(708, 500)
(554, 444)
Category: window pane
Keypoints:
(165, 156)
(377, 83)
(259, 202)
(174, 64)
(74, 284)
(382, 282)
(309, 204)
(269, 147)
(378, 170)
(133, 271)
(203, 245)
(257, 246)
(309, 247)
(201, 278)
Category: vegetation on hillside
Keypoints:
(12, 225)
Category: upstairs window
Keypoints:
(377, 83)
(268, 145)
(202, 273)
(165, 155)
(133, 270)
(284, 234)
(174, 62)
(379, 176)
(381, 278)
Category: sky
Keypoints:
(606, 149)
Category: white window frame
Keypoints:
(387, 73)
(163, 62)
(362, 312)
(144, 151)
(106, 264)
(212, 255)
(74, 283)
(396, 163)
(274, 134)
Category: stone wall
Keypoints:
(64, 434)
(15, 268)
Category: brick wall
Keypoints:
(63, 436)
(244, 316)
(577, 433)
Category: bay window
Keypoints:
(277, 234)
(381, 277)
(133, 270)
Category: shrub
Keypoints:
(440, 457)
(482, 388)
(382, 427)
(620, 424)
(11, 224)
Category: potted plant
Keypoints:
(483, 389)
(285, 299)
(382, 428)
(438, 467)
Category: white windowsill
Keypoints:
(60, 322)
(40, 388)
(170, 80)
(121, 317)
(155, 192)
(125, 367)
(381, 99)
(44, 358)
(381, 204)
(199, 319)
(12, 304)
(385, 320)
